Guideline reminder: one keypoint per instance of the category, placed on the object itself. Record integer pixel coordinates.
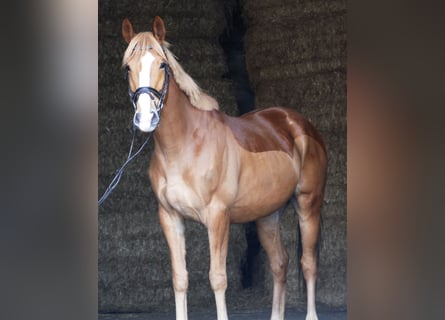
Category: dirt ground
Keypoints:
(238, 315)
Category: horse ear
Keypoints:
(127, 30)
(159, 29)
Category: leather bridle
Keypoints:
(156, 97)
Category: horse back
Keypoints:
(272, 129)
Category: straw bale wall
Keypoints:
(298, 61)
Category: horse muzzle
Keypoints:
(146, 122)
(146, 117)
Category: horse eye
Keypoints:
(162, 66)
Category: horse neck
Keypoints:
(178, 119)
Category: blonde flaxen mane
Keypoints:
(142, 41)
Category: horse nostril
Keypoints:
(155, 116)
(137, 118)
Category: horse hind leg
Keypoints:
(309, 197)
(309, 205)
(269, 235)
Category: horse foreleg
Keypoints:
(218, 230)
(269, 235)
(309, 219)
(173, 227)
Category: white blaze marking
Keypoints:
(144, 101)
(144, 75)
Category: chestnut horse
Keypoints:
(217, 169)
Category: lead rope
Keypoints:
(119, 173)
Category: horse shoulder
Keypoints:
(156, 174)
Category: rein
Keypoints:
(134, 96)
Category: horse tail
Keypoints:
(300, 282)
(301, 287)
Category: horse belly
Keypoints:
(267, 181)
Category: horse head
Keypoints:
(147, 73)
